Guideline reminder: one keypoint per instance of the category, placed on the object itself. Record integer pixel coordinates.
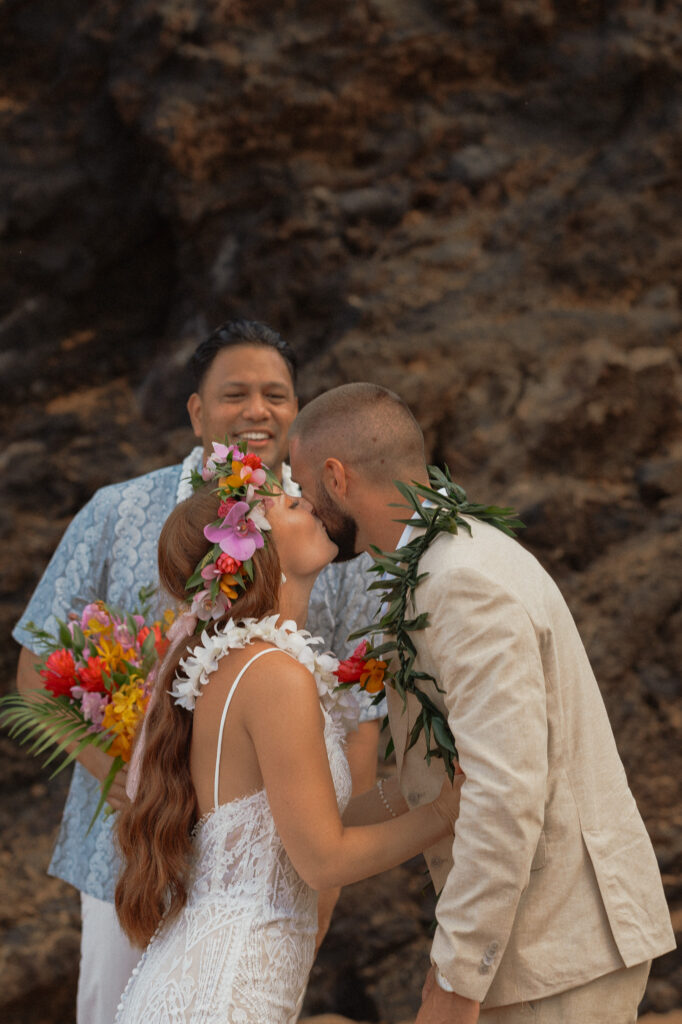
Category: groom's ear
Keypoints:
(334, 478)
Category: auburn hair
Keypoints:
(154, 831)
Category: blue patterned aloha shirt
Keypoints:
(109, 552)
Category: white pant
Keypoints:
(107, 961)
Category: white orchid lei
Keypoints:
(195, 669)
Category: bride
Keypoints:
(243, 780)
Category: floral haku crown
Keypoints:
(244, 485)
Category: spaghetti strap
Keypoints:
(224, 714)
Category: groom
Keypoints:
(551, 904)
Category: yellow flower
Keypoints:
(167, 620)
(111, 654)
(123, 715)
(372, 679)
(234, 480)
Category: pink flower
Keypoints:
(94, 612)
(237, 536)
(255, 477)
(204, 607)
(221, 452)
(122, 636)
(92, 704)
(211, 571)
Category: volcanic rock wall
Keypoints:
(475, 203)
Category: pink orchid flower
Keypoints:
(205, 608)
(236, 535)
(222, 451)
(93, 611)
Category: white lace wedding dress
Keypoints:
(242, 948)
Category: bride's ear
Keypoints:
(334, 478)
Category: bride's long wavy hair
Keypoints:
(154, 830)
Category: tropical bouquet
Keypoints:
(97, 682)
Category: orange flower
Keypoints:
(235, 479)
(227, 585)
(372, 679)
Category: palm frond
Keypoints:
(48, 724)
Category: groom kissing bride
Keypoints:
(550, 901)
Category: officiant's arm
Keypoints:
(484, 647)
(97, 762)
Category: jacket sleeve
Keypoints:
(487, 659)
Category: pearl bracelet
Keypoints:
(382, 795)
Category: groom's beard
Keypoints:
(342, 529)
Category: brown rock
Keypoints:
(477, 208)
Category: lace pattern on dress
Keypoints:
(242, 948)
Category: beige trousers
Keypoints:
(611, 999)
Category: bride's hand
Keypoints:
(447, 801)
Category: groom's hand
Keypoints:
(440, 1007)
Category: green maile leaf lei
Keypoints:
(438, 508)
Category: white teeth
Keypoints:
(253, 435)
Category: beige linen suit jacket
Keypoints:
(551, 880)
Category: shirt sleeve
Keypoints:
(341, 604)
(76, 573)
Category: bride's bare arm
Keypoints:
(283, 717)
(368, 808)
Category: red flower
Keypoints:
(350, 670)
(251, 460)
(90, 676)
(226, 563)
(60, 673)
(225, 506)
(161, 643)
(142, 635)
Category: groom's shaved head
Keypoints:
(364, 426)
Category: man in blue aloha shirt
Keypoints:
(244, 375)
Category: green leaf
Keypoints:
(148, 645)
(64, 635)
(248, 568)
(116, 766)
(441, 732)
